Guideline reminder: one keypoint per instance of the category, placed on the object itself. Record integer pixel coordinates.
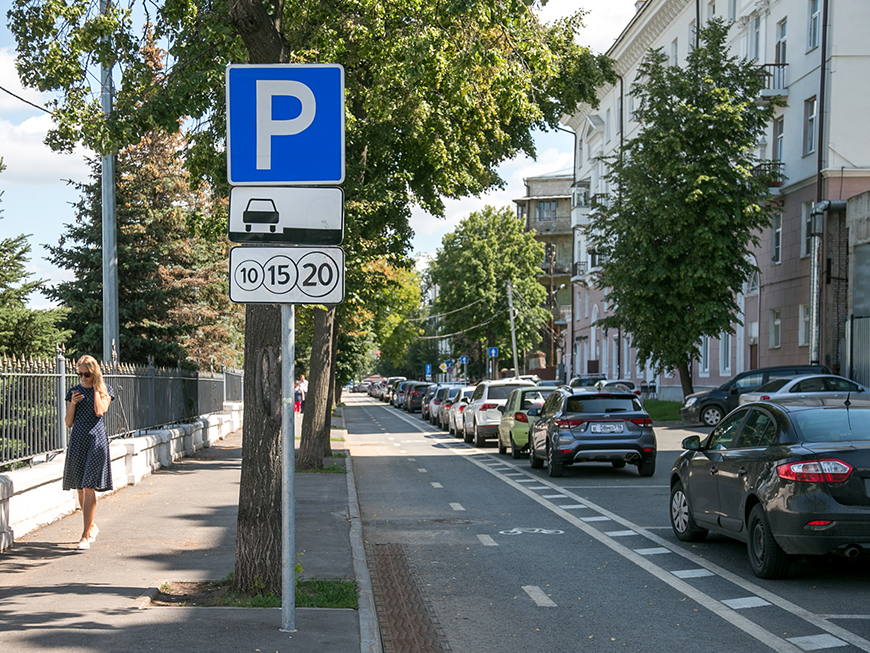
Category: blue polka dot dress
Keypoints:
(87, 458)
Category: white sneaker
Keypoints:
(83, 544)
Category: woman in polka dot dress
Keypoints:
(87, 468)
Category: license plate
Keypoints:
(606, 428)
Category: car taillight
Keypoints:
(764, 397)
(521, 417)
(569, 423)
(642, 421)
(415, 393)
(447, 405)
(462, 407)
(489, 407)
(829, 471)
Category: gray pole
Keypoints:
(513, 328)
(111, 326)
(288, 468)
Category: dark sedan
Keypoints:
(577, 426)
(784, 479)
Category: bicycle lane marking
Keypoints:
(713, 605)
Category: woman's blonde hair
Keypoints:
(91, 364)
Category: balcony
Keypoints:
(775, 81)
(770, 172)
(558, 225)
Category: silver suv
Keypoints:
(481, 417)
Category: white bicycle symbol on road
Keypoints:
(542, 531)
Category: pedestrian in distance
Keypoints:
(303, 385)
(297, 398)
(87, 468)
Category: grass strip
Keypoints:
(662, 411)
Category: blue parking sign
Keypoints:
(285, 124)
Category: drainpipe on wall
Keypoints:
(618, 366)
(568, 360)
(818, 214)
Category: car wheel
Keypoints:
(466, 435)
(711, 415)
(554, 469)
(516, 452)
(501, 448)
(766, 557)
(450, 429)
(479, 440)
(534, 461)
(618, 464)
(682, 522)
(646, 468)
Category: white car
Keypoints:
(815, 390)
(458, 405)
(481, 417)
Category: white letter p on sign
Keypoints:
(267, 127)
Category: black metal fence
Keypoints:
(33, 391)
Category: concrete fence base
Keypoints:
(33, 497)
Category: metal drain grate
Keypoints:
(407, 620)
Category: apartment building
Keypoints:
(546, 209)
(815, 154)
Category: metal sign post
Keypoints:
(285, 127)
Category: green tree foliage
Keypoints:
(24, 331)
(471, 269)
(172, 292)
(686, 209)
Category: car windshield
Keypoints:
(536, 398)
(500, 391)
(773, 386)
(599, 404)
(839, 425)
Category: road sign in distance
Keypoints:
(492, 352)
(281, 214)
(463, 360)
(285, 124)
(287, 275)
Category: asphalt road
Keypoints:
(508, 559)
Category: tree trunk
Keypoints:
(330, 402)
(258, 536)
(315, 427)
(685, 379)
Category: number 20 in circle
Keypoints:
(318, 274)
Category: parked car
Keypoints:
(432, 402)
(450, 396)
(815, 390)
(454, 413)
(710, 406)
(363, 386)
(577, 426)
(586, 381)
(390, 388)
(784, 479)
(414, 397)
(398, 399)
(619, 385)
(513, 429)
(481, 418)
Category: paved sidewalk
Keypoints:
(179, 525)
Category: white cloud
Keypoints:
(29, 161)
(603, 23)
(9, 81)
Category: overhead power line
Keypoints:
(432, 317)
(18, 97)
(450, 335)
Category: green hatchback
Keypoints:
(513, 430)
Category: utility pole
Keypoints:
(111, 322)
(513, 328)
(552, 304)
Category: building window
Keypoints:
(546, 210)
(586, 304)
(607, 126)
(778, 138)
(675, 53)
(711, 10)
(775, 328)
(725, 354)
(755, 38)
(804, 325)
(704, 357)
(579, 163)
(807, 222)
(752, 284)
(692, 35)
(810, 126)
(776, 239)
(781, 33)
(521, 212)
(732, 10)
(814, 26)
(618, 115)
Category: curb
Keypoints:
(369, 629)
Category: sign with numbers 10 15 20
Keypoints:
(287, 275)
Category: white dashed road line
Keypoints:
(537, 595)
(457, 507)
(487, 540)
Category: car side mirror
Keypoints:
(533, 412)
(692, 443)
(464, 400)
(735, 390)
(501, 409)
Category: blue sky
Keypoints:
(37, 200)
